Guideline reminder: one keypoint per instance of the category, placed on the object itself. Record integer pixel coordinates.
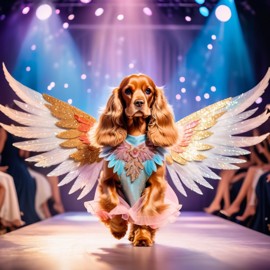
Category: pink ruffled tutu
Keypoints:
(134, 215)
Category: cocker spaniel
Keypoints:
(136, 108)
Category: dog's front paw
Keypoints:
(143, 238)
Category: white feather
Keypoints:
(175, 179)
(28, 119)
(41, 111)
(28, 95)
(81, 179)
(70, 176)
(39, 145)
(92, 179)
(31, 132)
(225, 120)
(229, 150)
(52, 157)
(64, 167)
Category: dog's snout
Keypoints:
(138, 102)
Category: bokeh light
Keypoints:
(120, 17)
(204, 11)
(198, 98)
(65, 25)
(200, 2)
(147, 11)
(71, 17)
(25, 10)
(85, 1)
(182, 79)
(83, 76)
(99, 12)
(259, 100)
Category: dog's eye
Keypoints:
(128, 91)
(148, 91)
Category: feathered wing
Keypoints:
(59, 131)
(210, 139)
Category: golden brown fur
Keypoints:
(136, 107)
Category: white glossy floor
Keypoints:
(77, 241)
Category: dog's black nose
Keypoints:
(138, 103)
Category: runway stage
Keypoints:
(77, 241)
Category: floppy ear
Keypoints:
(110, 129)
(161, 128)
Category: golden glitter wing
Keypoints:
(59, 131)
(207, 139)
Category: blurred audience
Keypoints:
(24, 191)
(25, 185)
(243, 206)
(10, 215)
(222, 199)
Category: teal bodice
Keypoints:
(134, 161)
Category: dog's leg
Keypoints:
(154, 194)
(108, 200)
(118, 226)
(132, 232)
(152, 206)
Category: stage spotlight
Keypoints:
(188, 18)
(204, 11)
(223, 13)
(44, 12)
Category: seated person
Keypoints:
(10, 216)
